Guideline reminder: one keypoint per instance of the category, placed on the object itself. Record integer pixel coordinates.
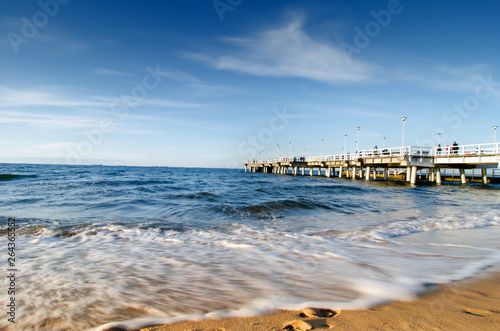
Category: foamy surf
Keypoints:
(152, 246)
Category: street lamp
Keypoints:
(269, 154)
(345, 144)
(321, 149)
(495, 133)
(384, 141)
(403, 141)
(278, 151)
(357, 139)
(439, 138)
(289, 149)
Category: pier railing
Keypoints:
(460, 150)
(467, 150)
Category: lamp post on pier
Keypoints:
(403, 139)
(439, 138)
(384, 142)
(357, 139)
(345, 145)
(289, 149)
(278, 151)
(321, 149)
(495, 133)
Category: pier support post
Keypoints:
(374, 173)
(484, 174)
(328, 172)
(438, 176)
(340, 172)
(303, 171)
(386, 173)
(432, 175)
(310, 171)
(413, 175)
(354, 172)
(408, 174)
(463, 179)
(367, 175)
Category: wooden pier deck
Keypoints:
(384, 163)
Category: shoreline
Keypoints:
(473, 303)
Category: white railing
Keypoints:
(468, 150)
(459, 150)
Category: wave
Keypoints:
(272, 209)
(394, 229)
(7, 177)
(216, 273)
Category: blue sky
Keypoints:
(208, 83)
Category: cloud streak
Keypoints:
(14, 98)
(109, 72)
(288, 52)
(45, 121)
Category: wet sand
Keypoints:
(472, 304)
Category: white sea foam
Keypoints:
(397, 228)
(109, 273)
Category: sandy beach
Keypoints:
(472, 304)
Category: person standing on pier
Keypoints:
(455, 147)
(439, 149)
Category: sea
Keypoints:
(98, 247)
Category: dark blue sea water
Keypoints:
(134, 245)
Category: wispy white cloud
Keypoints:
(56, 97)
(196, 85)
(10, 97)
(45, 120)
(444, 77)
(109, 72)
(205, 88)
(60, 146)
(182, 76)
(289, 52)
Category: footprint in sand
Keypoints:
(299, 325)
(311, 324)
(480, 312)
(318, 312)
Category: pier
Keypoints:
(409, 163)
